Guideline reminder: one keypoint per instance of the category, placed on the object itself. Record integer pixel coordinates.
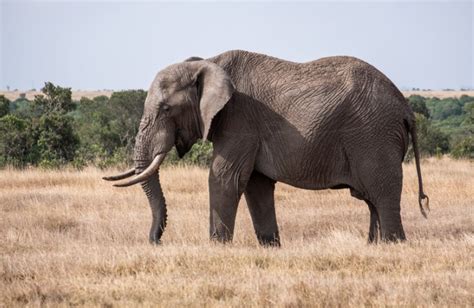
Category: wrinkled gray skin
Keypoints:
(335, 123)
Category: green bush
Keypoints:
(431, 140)
(56, 140)
(200, 154)
(54, 99)
(16, 142)
(464, 148)
(107, 127)
(418, 105)
(126, 109)
(469, 113)
(25, 109)
(4, 106)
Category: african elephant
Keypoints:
(333, 123)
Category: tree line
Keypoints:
(52, 130)
(445, 126)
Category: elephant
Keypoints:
(333, 123)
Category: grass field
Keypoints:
(69, 238)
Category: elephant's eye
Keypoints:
(165, 107)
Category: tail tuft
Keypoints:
(426, 208)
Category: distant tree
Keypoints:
(16, 141)
(99, 141)
(54, 99)
(56, 140)
(469, 113)
(126, 109)
(464, 148)
(4, 105)
(431, 140)
(465, 98)
(418, 105)
(25, 109)
(445, 108)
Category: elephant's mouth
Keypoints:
(140, 176)
(182, 147)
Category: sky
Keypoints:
(92, 45)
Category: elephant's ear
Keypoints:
(215, 88)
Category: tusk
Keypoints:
(152, 168)
(120, 176)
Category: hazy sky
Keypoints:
(121, 45)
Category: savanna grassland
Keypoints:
(69, 238)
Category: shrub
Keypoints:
(200, 154)
(418, 105)
(55, 99)
(15, 141)
(464, 148)
(4, 106)
(126, 109)
(108, 126)
(56, 140)
(431, 140)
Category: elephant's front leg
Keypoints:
(228, 179)
(224, 195)
(259, 195)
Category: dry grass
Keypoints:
(76, 95)
(70, 238)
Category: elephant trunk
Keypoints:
(147, 174)
(152, 188)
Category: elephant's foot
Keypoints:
(217, 241)
(220, 240)
(272, 240)
(393, 236)
(391, 228)
(373, 236)
(155, 235)
(155, 242)
(221, 234)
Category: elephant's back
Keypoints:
(308, 95)
(250, 69)
(343, 88)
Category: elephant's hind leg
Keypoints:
(374, 223)
(374, 216)
(380, 178)
(391, 227)
(386, 189)
(259, 195)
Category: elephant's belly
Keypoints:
(305, 167)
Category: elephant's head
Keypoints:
(181, 103)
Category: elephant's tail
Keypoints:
(421, 194)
